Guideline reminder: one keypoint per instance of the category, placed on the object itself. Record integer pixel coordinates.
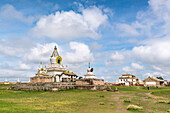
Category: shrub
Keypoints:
(102, 103)
(162, 101)
(101, 95)
(111, 104)
(134, 107)
(127, 101)
(168, 110)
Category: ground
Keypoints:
(156, 100)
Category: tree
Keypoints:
(159, 78)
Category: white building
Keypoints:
(128, 79)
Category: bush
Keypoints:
(101, 95)
(163, 101)
(111, 104)
(102, 103)
(127, 101)
(134, 107)
(168, 110)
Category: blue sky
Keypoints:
(116, 36)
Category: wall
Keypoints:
(90, 82)
(57, 86)
(98, 82)
(40, 79)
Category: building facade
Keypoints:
(153, 81)
(128, 79)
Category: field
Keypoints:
(156, 100)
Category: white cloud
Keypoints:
(81, 53)
(15, 46)
(126, 30)
(133, 68)
(155, 74)
(24, 66)
(8, 12)
(40, 53)
(127, 69)
(70, 25)
(137, 66)
(117, 56)
(95, 46)
(153, 22)
(156, 53)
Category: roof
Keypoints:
(128, 75)
(69, 73)
(128, 78)
(153, 78)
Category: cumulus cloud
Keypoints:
(15, 46)
(95, 46)
(80, 53)
(155, 74)
(70, 25)
(153, 22)
(40, 53)
(156, 53)
(127, 69)
(133, 68)
(137, 66)
(117, 56)
(8, 12)
(126, 30)
(23, 66)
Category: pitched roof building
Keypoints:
(153, 81)
(128, 79)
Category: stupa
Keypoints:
(54, 72)
(89, 73)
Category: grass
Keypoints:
(134, 107)
(83, 101)
(127, 101)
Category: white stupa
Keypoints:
(54, 72)
(55, 67)
(89, 74)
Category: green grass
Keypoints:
(83, 101)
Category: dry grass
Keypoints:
(134, 107)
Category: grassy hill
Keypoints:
(85, 101)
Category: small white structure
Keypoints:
(6, 81)
(89, 73)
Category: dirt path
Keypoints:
(119, 102)
(153, 96)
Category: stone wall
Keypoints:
(38, 79)
(54, 86)
(98, 82)
(90, 82)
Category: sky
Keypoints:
(116, 36)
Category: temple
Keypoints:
(54, 72)
(56, 77)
